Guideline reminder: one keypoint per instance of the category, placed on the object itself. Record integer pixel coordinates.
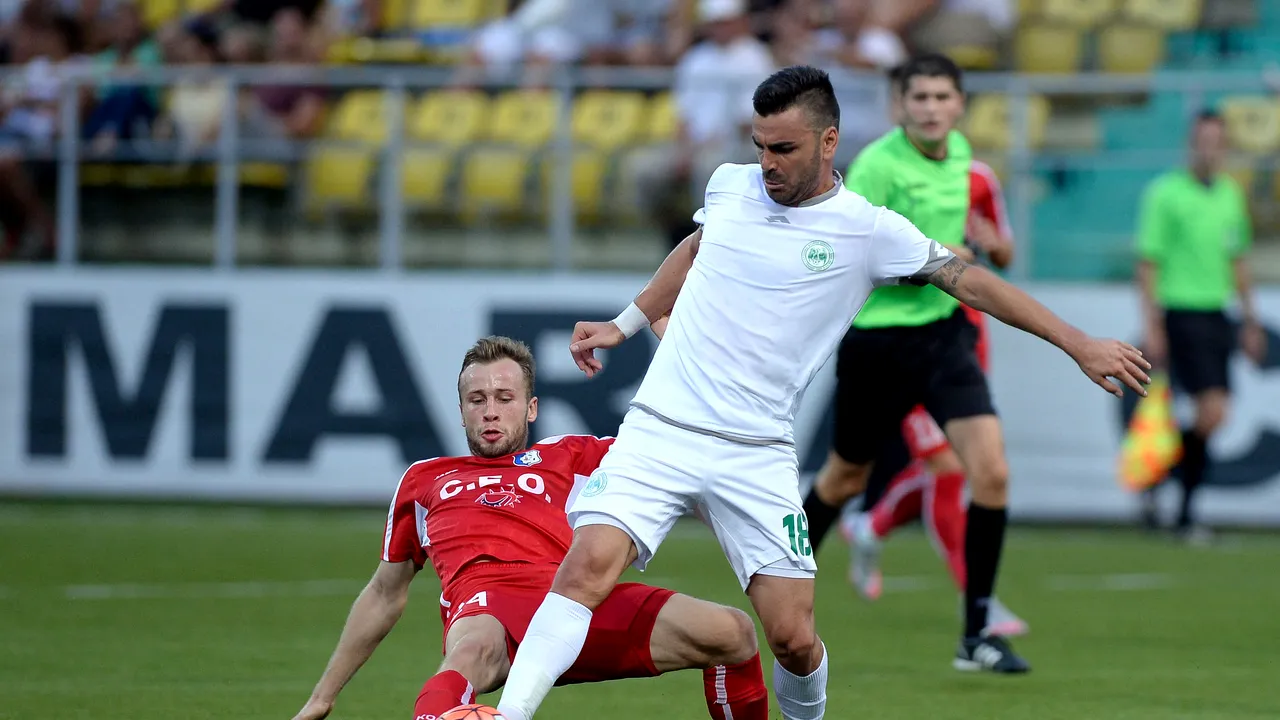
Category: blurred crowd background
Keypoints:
(576, 133)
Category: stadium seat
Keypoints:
(664, 120)
(395, 14)
(524, 117)
(339, 176)
(360, 115)
(989, 126)
(457, 13)
(493, 180)
(1130, 48)
(1029, 9)
(200, 7)
(158, 12)
(973, 57)
(1253, 123)
(450, 117)
(425, 177)
(588, 181)
(606, 119)
(1048, 49)
(1170, 15)
(1084, 14)
(1243, 174)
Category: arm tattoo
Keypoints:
(947, 277)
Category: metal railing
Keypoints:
(857, 90)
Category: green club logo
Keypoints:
(818, 255)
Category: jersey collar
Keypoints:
(835, 190)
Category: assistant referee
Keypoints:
(1193, 235)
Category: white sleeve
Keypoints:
(700, 215)
(900, 253)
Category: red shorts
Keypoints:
(924, 437)
(617, 645)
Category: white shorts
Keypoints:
(749, 495)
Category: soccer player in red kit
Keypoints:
(493, 526)
(931, 485)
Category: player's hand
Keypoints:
(314, 710)
(587, 336)
(983, 233)
(1103, 359)
(1253, 340)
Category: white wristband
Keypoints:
(631, 321)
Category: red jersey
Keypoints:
(457, 511)
(986, 199)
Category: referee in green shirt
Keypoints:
(1193, 234)
(912, 345)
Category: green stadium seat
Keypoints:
(1048, 49)
(1130, 48)
(525, 117)
(1083, 14)
(607, 119)
(1169, 15)
(1253, 123)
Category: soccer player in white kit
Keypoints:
(784, 259)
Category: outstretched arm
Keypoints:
(1099, 359)
(654, 302)
(374, 613)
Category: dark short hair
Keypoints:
(894, 74)
(1209, 115)
(799, 85)
(497, 347)
(928, 65)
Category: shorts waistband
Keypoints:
(711, 433)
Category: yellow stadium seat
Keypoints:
(1165, 14)
(395, 14)
(264, 175)
(158, 12)
(1253, 123)
(1078, 13)
(989, 126)
(588, 180)
(493, 180)
(200, 7)
(1130, 48)
(607, 119)
(339, 176)
(974, 57)
(1243, 174)
(664, 119)
(360, 115)
(464, 13)
(1029, 9)
(1048, 49)
(425, 176)
(451, 117)
(524, 117)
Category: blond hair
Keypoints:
(497, 347)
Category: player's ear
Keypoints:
(830, 140)
(533, 409)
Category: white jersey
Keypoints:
(771, 292)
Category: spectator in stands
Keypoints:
(714, 82)
(196, 103)
(284, 110)
(124, 112)
(945, 25)
(46, 47)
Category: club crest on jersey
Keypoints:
(498, 498)
(596, 484)
(526, 459)
(818, 255)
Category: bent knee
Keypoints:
(990, 480)
(793, 642)
(595, 561)
(481, 659)
(738, 638)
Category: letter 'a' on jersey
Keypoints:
(461, 510)
(772, 290)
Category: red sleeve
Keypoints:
(989, 201)
(404, 537)
(586, 451)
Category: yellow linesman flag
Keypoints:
(1153, 443)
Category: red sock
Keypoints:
(945, 518)
(737, 692)
(902, 501)
(442, 693)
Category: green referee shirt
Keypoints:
(1192, 233)
(934, 196)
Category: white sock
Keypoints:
(551, 645)
(801, 698)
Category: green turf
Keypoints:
(1124, 626)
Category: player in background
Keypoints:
(928, 477)
(1194, 235)
(913, 346)
(784, 260)
(493, 526)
